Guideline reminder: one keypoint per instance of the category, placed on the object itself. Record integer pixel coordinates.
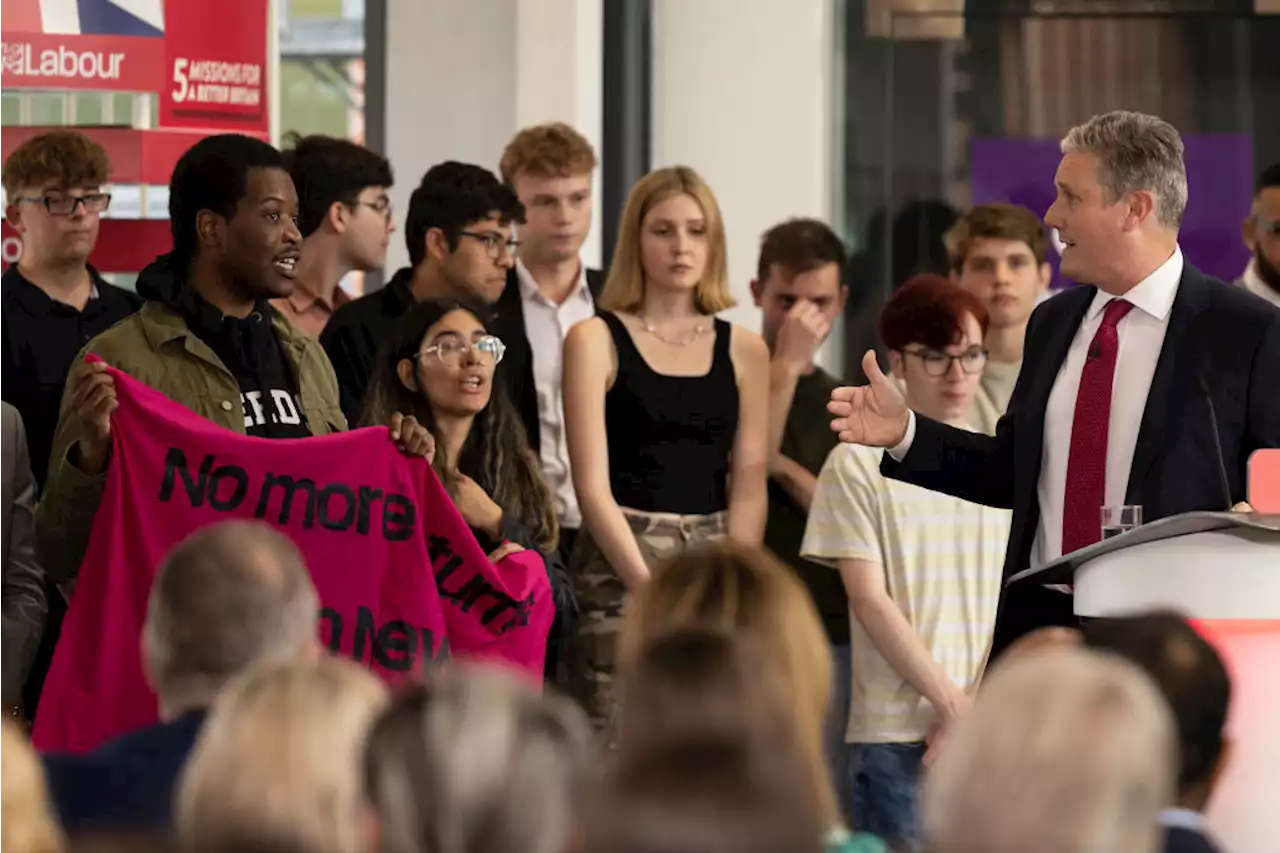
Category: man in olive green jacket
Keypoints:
(207, 337)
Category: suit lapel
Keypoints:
(1062, 328)
(1173, 377)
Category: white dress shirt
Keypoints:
(1141, 333)
(1252, 281)
(546, 325)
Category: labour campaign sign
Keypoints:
(207, 61)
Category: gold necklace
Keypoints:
(693, 336)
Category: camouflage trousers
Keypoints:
(602, 598)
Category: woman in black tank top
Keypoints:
(666, 413)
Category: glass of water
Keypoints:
(1120, 519)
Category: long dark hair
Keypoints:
(496, 453)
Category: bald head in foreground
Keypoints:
(230, 596)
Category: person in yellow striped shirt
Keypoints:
(922, 569)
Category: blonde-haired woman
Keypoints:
(27, 823)
(1065, 751)
(279, 761)
(666, 409)
(746, 592)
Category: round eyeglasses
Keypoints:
(971, 361)
(451, 350)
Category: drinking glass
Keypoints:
(1120, 519)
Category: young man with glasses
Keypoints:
(345, 218)
(459, 234)
(54, 301)
(922, 569)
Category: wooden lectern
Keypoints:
(1221, 570)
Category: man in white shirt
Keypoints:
(551, 168)
(1261, 233)
(1122, 380)
(922, 569)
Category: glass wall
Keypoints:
(942, 110)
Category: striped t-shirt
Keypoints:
(942, 559)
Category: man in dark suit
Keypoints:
(1194, 681)
(228, 597)
(25, 606)
(1122, 377)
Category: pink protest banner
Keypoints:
(402, 581)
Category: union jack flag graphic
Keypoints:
(137, 18)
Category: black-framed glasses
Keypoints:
(451, 349)
(65, 205)
(971, 361)
(495, 244)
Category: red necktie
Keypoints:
(1087, 462)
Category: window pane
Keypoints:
(88, 108)
(46, 109)
(10, 109)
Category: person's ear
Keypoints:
(13, 216)
(210, 228)
(336, 217)
(1246, 233)
(406, 374)
(1142, 206)
(437, 244)
(897, 365)
(841, 298)
(757, 291)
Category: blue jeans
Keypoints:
(886, 780)
(837, 722)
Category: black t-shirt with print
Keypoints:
(251, 351)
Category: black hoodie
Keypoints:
(247, 347)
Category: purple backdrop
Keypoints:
(1219, 188)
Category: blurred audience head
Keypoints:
(342, 197)
(670, 237)
(915, 242)
(802, 262)
(229, 596)
(232, 208)
(54, 197)
(1261, 229)
(1194, 681)
(439, 365)
(550, 167)
(460, 223)
(693, 680)
(1065, 751)
(999, 254)
(711, 793)
(934, 332)
(279, 760)
(27, 821)
(478, 761)
(746, 591)
(1122, 190)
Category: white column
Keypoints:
(462, 78)
(744, 94)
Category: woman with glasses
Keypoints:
(666, 414)
(439, 366)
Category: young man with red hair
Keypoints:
(922, 569)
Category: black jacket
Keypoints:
(517, 365)
(1217, 333)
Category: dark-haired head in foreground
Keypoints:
(233, 214)
(1194, 680)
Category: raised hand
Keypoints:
(800, 335)
(875, 415)
(93, 399)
